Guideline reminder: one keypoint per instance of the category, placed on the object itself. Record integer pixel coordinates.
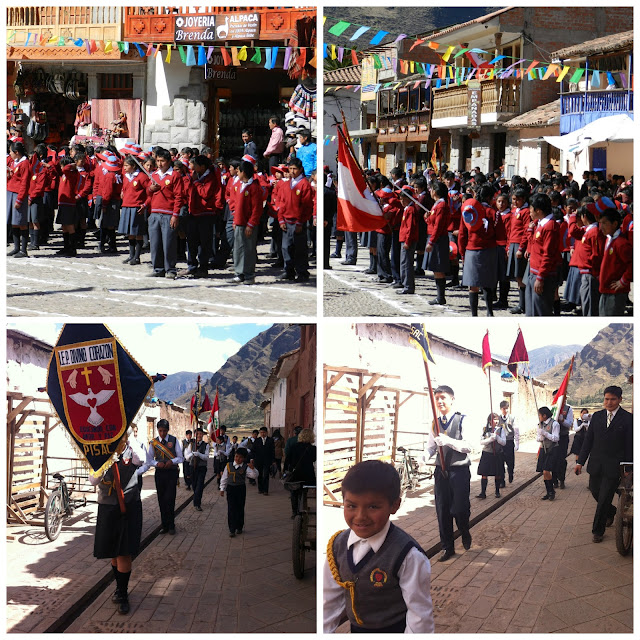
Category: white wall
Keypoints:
(279, 404)
(163, 83)
(349, 102)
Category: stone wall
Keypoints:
(184, 122)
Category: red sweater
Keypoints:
(274, 201)
(85, 184)
(171, 195)
(617, 264)
(134, 191)
(627, 227)
(478, 239)
(438, 221)
(52, 184)
(68, 186)
(409, 224)
(587, 253)
(296, 203)
(205, 194)
(544, 248)
(40, 177)
(520, 219)
(248, 205)
(231, 192)
(500, 226)
(18, 183)
(110, 186)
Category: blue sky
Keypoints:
(167, 347)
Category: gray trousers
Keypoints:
(384, 263)
(244, 253)
(163, 241)
(589, 295)
(407, 267)
(612, 304)
(294, 250)
(540, 305)
(351, 240)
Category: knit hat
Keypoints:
(249, 158)
(282, 168)
(132, 147)
(111, 163)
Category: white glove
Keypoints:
(516, 447)
(492, 437)
(441, 440)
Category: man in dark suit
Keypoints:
(263, 454)
(607, 443)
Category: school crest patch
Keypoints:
(538, 234)
(135, 183)
(96, 388)
(297, 192)
(378, 577)
(167, 182)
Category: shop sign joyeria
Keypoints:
(203, 28)
(474, 103)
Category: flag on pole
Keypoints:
(419, 338)
(435, 156)
(214, 417)
(358, 209)
(559, 400)
(519, 355)
(486, 353)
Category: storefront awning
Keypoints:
(618, 128)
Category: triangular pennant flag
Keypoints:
(302, 58)
(287, 56)
(497, 59)
(79, 42)
(99, 45)
(415, 44)
(11, 36)
(137, 46)
(339, 28)
(155, 55)
(434, 45)
(447, 53)
(358, 33)
(182, 52)
(26, 42)
(325, 53)
(61, 41)
(459, 53)
(354, 57)
(267, 53)
(402, 36)
(191, 56)
(334, 55)
(234, 57)
(126, 47)
(108, 46)
(552, 67)
(168, 58)
(577, 74)
(394, 64)
(202, 56)
(313, 61)
(88, 45)
(595, 78)
(149, 50)
(340, 53)
(55, 39)
(564, 72)
(610, 79)
(403, 66)
(94, 48)
(121, 46)
(274, 56)
(623, 79)
(377, 39)
(411, 66)
(226, 58)
(376, 62)
(416, 84)
(210, 53)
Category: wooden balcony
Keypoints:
(615, 101)
(404, 126)
(157, 24)
(88, 23)
(500, 101)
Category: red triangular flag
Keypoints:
(486, 352)
(519, 354)
(225, 56)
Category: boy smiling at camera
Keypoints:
(375, 573)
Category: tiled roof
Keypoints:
(462, 25)
(346, 75)
(541, 116)
(606, 44)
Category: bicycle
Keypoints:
(624, 513)
(409, 471)
(60, 505)
(302, 524)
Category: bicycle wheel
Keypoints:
(624, 525)
(53, 515)
(297, 546)
(402, 472)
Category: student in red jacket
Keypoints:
(544, 257)
(135, 204)
(247, 196)
(408, 240)
(295, 210)
(281, 177)
(587, 254)
(85, 188)
(502, 225)
(205, 205)
(110, 191)
(436, 256)
(616, 269)
(41, 175)
(18, 179)
(67, 210)
(516, 260)
(167, 198)
(230, 194)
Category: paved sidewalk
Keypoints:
(532, 567)
(216, 584)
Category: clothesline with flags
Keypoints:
(479, 70)
(191, 55)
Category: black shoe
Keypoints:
(232, 534)
(172, 531)
(302, 278)
(13, 252)
(436, 301)
(482, 496)
(510, 479)
(418, 272)
(546, 496)
(516, 310)
(610, 520)
(189, 487)
(238, 531)
(134, 261)
(446, 554)
(498, 494)
(163, 530)
(552, 496)
(336, 255)
(198, 508)
(562, 484)
(453, 283)
(21, 254)
(466, 540)
(287, 276)
(385, 280)
(369, 271)
(500, 305)
(405, 292)
(117, 597)
(156, 274)
(397, 285)
(124, 607)
(597, 537)
(127, 260)
(33, 247)
(349, 262)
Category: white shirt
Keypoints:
(295, 181)
(613, 414)
(188, 454)
(461, 446)
(152, 462)
(244, 185)
(414, 577)
(251, 473)
(554, 436)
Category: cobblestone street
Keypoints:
(95, 284)
(350, 292)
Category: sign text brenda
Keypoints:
(205, 28)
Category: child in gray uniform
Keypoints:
(375, 572)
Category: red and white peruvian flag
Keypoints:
(358, 209)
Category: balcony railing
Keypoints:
(498, 96)
(157, 24)
(615, 101)
(94, 23)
